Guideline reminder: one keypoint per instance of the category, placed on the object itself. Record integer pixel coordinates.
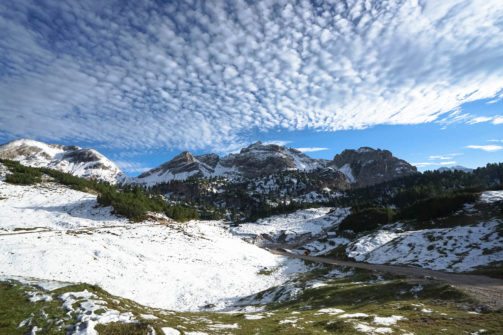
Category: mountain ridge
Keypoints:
(81, 162)
(361, 167)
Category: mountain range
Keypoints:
(362, 167)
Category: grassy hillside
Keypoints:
(341, 306)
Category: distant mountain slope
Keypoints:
(455, 168)
(87, 163)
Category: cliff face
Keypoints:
(367, 166)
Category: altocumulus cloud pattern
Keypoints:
(196, 74)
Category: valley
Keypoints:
(72, 264)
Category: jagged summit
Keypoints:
(367, 166)
(87, 163)
(257, 159)
(180, 167)
(362, 167)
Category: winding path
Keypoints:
(487, 290)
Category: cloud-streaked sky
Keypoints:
(164, 76)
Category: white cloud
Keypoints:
(488, 148)
(444, 157)
(311, 149)
(182, 76)
(442, 163)
(480, 119)
(497, 119)
(132, 167)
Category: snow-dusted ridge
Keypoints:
(86, 163)
(254, 160)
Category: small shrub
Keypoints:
(22, 179)
(335, 326)
(20, 174)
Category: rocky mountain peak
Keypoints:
(260, 159)
(257, 159)
(259, 146)
(87, 163)
(209, 159)
(367, 166)
(184, 156)
(180, 167)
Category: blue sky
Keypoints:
(143, 80)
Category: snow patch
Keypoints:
(387, 321)
(490, 197)
(369, 243)
(87, 304)
(348, 172)
(353, 316)
(170, 331)
(365, 328)
(330, 311)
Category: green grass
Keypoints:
(357, 294)
(15, 307)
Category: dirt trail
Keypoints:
(487, 290)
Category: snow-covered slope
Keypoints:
(174, 266)
(51, 206)
(86, 163)
(291, 228)
(453, 249)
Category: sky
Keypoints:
(142, 81)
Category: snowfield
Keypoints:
(489, 197)
(177, 266)
(300, 224)
(452, 249)
(51, 206)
